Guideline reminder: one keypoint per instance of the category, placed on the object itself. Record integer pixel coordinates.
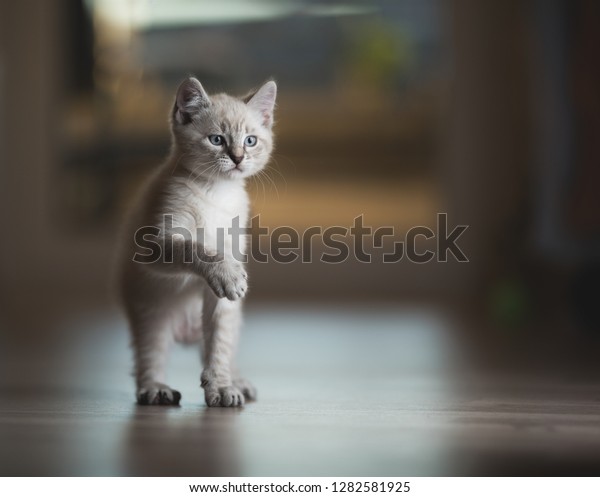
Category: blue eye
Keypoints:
(250, 141)
(216, 140)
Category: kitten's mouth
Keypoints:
(237, 170)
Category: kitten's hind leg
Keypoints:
(221, 322)
(152, 337)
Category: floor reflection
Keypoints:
(168, 442)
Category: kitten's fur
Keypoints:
(201, 186)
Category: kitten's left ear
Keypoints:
(263, 100)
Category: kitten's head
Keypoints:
(220, 136)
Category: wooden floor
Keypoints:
(361, 391)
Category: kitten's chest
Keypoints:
(220, 209)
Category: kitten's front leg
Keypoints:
(225, 275)
(221, 322)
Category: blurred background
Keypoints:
(393, 109)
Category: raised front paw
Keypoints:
(157, 394)
(228, 279)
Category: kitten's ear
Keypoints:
(263, 100)
(191, 97)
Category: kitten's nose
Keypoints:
(236, 159)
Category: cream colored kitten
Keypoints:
(196, 287)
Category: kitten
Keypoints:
(194, 291)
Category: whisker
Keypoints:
(177, 162)
(193, 173)
(280, 174)
(263, 186)
(271, 181)
(256, 184)
(291, 162)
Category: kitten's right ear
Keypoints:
(190, 99)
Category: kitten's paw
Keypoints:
(157, 394)
(215, 396)
(246, 388)
(224, 397)
(228, 279)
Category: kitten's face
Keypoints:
(221, 136)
